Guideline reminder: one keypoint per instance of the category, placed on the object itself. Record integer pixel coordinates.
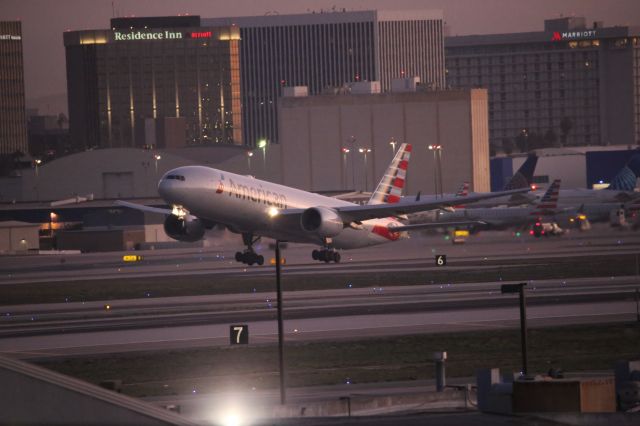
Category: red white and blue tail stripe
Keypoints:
(390, 188)
(549, 202)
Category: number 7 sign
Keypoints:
(239, 334)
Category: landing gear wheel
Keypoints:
(239, 257)
(260, 260)
(326, 255)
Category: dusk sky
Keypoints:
(44, 21)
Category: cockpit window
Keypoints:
(176, 177)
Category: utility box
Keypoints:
(565, 395)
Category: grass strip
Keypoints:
(180, 372)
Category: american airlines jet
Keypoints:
(202, 197)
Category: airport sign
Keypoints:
(239, 334)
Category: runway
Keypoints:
(152, 324)
(381, 309)
(413, 254)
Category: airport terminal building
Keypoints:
(573, 83)
(161, 82)
(326, 50)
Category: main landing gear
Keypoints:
(326, 255)
(249, 256)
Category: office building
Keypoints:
(323, 51)
(160, 81)
(13, 119)
(571, 84)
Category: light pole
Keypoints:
(157, 157)
(249, 155)
(365, 151)
(437, 172)
(345, 151)
(37, 163)
(352, 140)
(262, 144)
(393, 145)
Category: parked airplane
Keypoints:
(497, 217)
(202, 197)
(620, 190)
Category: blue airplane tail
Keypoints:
(625, 180)
(524, 176)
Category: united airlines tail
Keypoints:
(626, 178)
(390, 188)
(524, 176)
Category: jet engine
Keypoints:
(322, 221)
(187, 229)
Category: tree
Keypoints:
(565, 128)
(507, 146)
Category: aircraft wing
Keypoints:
(357, 213)
(143, 207)
(434, 225)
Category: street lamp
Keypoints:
(157, 157)
(37, 163)
(352, 141)
(365, 151)
(249, 155)
(262, 144)
(344, 151)
(437, 168)
(393, 145)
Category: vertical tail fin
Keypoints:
(392, 183)
(626, 178)
(464, 190)
(524, 176)
(549, 200)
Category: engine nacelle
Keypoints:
(322, 221)
(187, 230)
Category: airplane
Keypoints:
(202, 197)
(523, 178)
(488, 218)
(620, 190)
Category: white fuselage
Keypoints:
(248, 205)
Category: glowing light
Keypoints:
(272, 212)
(262, 143)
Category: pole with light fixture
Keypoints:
(393, 145)
(365, 151)
(519, 288)
(157, 157)
(262, 144)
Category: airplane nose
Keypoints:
(167, 186)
